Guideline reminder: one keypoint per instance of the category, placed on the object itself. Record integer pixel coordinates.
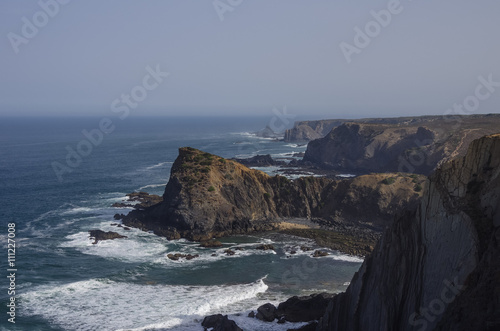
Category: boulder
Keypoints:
(211, 244)
(229, 252)
(220, 323)
(266, 312)
(304, 309)
(99, 235)
(265, 247)
(319, 253)
(177, 256)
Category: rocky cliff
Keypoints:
(417, 144)
(310, 130)
(209, 196)
(437, 266)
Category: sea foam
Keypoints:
(101, 304)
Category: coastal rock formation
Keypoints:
(310, 130)
(437, 266)
(99, 235)
(143, 200)
(304, 309)
(260, 161)
(416, 145)
(208, 196)
(220, 323)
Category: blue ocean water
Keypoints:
(64, 282)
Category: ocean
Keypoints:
(64, 282)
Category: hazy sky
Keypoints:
(245, 57)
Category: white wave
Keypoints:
(29, 225)
(332, 254)
(277, 155)
(100, 304)
(296, 146)
(209, 255)
(254, 324)
(161, 164)
(346, 175)
(344, 257)
(152, 186)
(80, 210)
(245, 134)
(134, 248)
(244, 143)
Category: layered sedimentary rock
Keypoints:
(436, 267)
(409, 145)
(310, 130)
(208, 196)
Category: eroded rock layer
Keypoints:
(436, 267)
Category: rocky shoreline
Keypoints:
(352, 240)
(436, 267)
(209, 197)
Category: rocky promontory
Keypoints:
(208, 196)
(408, 144)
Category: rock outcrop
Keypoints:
(260, 161)
(304, 309)
(99, 235)
(310, 130)
(220, 323)
(416, 145)
(436, 267)
(208, 196)
(142, 199)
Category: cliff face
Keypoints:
(208, 196)
(418, 145)
(436, 266)
(310, 130)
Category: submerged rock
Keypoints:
(211, 244)
(220, 323)
(265, 247)
(266, 313)
(260, 161)
(99, 235)
(178, 256)
(319, 253)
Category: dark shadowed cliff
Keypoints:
(208, 196)
(438, 266)
(418, 144)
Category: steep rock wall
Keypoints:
(437, 261)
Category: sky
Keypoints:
(328, 59)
